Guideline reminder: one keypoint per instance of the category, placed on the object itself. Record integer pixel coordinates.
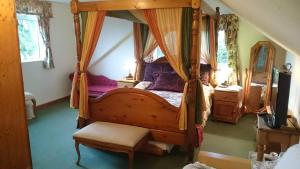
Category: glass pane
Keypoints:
(222, 58)
(222, 55)
(30, 41)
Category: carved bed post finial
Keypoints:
(74, 6)
(194, 69)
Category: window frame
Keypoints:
(40, 55)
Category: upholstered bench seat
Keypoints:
(113, 137)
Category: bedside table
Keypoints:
(126, 83)
(227, 104)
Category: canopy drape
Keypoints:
(165, 24)
(208, 45)
(93, 28)
(166, 27)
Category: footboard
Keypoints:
(139, 108)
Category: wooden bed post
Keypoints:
(74, 9)
(193, 84)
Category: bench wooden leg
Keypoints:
(78, 152)
(130, 159)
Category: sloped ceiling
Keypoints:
(279, 20)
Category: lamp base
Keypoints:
(129, 77)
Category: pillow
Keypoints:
(151, 68)
(143, 85)
(167, 81)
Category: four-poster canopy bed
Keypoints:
(167, 123)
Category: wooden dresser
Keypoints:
(227, 104)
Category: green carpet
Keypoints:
(229, 139)
(52, 146)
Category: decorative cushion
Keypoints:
(151, 68)
(167, 81)
(113, 133)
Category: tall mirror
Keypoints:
(258, 77)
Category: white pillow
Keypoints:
(290, 159)
(143, 85)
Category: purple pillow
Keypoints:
(151, 68)
(167, 81)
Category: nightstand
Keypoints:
(126, 83)
(227, 104)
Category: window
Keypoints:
(32, 47)
(224, 71)
(157, 53)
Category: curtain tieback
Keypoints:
(82, 72)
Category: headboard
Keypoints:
(159, 65)
(161, 60)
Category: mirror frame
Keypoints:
(247, 85)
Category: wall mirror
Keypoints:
(258, 77)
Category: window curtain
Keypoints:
(230, 24)
(205, 44)
(45, 32)
(208, 45)
(213, 51)
(137, 38)
(140, 33)
(166, 26)
(44, 10)
(93, 28)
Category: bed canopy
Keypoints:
(174, 27)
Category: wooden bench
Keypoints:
(113, 137)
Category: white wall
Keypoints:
(294, 99)
(279, 20)
(247, 37)
(112, 64)
(49, 85)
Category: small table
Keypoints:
(286, 136)
(126, 83)
(227, 103)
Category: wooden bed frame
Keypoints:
(139, 107)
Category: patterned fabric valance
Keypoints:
(229, 22)
(35, 7)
